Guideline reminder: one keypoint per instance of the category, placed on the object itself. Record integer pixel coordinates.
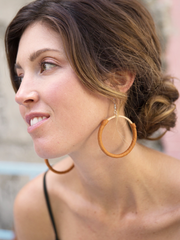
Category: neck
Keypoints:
(112, 183)
(109, 182)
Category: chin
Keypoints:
(47, 152)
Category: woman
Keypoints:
(88, 81)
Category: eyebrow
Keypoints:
(35, 55)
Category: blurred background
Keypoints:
(18, 160)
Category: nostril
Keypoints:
(25, 98)
(29, 100)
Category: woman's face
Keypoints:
(61, 114)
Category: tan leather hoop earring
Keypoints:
(134, 132)
(156, 138)
(55, 171)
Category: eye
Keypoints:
(45, 66)
(17, 81)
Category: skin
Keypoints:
(136, 197)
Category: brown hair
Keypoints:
(101, 38)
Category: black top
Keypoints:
(49, 206)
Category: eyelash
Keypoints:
(18, 79)
(48, 63)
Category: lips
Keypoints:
(34, 118)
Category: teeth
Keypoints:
(36, 120)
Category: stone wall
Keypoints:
(12, 128)
(15, 143)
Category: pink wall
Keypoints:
(171, 141)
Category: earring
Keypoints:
(55, 171)
(134, 133)
(157, 138)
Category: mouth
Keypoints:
(35, 120)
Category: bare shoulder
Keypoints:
(30, 213)
(32, 220)
(171, 168)
(162, 174)
(167, 179)
(168, 169)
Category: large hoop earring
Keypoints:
(55, 171)
(156, 138)
(134, 133)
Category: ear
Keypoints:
(121, 81)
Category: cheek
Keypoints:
(64, 91)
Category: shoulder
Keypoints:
(32, 220)
(163, 184)
(163, 174)
(168, 169)
(172, 173)
(170, 166)
(30, 213)
(167, 178)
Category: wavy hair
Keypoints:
(102, 38)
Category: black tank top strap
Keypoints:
(49, 205)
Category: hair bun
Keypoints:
(159, 110)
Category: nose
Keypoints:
(26, 94)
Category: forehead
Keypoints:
(38, 36)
